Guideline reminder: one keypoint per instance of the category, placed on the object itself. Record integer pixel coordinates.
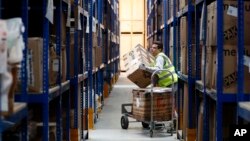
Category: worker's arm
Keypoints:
(159, 64)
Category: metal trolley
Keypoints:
(151, 123)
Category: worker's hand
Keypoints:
(142, 66)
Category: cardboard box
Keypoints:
(63, 63)
(53, 66)
(182, 3)
(183, 59)
(171, 53)
(200, 122)
(133, 59)
(137, 53)
(35, 63)
(230, 70)
(185, 110)
(183, 31)
(98, 56)
(140, 77)
(162, 105)
(71, 60)
(230, 23)
(209, 66)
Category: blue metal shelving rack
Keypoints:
(243, 104)
(218, 96)
(88, 78)
(19, 115)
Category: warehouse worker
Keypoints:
(164, 78)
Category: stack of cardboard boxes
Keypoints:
(132, 61)
(230, 55)
(230, 51)
(184, 46)
(35, 65)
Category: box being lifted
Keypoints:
(162, 104)
(132, 60)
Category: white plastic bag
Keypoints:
(11, 47)
(6, 81)
(15, 42)
(3, 47)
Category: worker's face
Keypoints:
(154, 49)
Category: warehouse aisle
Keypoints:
(108, 127)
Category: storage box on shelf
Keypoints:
(230, 23)
(230, 70)
(184, 46)
(72, 53)
(187, 133)
(35, 64)
(183, 3)
(230, 51)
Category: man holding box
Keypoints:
(163, 78)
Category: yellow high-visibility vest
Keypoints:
(165, 77)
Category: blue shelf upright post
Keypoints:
(165, 40)
(219, 85)
(68, 78)
(190, 67)
(240, 95)
(82, 70)
(45, 74)
(174, 34)
(86, 81)
(24, 132)
(90, 65)
(205, 97)
(198, 60)
(25, 38)
(99, 17)
(58, 52)
(76, 53)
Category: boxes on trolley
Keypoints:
(162, 104)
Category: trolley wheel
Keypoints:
(151, 133)
(124, 122)
(145, 125)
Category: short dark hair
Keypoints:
(159, 44)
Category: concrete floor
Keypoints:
(108, 127)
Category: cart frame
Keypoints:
(151, 123)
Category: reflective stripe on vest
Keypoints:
(167, 75)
